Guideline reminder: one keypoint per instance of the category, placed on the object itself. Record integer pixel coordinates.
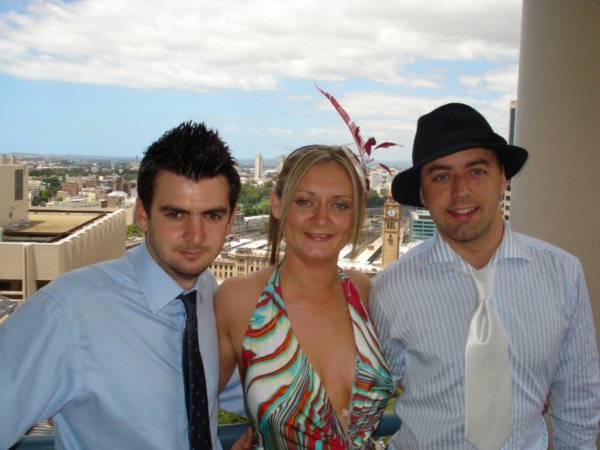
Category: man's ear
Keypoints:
(421, 198)
(275, 205)
(232, 217)
(141, 217)
(504, 180)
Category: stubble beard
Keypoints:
(169, 264)
(470, 233)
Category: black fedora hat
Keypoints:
(449, 129)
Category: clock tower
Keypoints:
(391, 231)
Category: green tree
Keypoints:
(45, 195)
(46, 172)
(77, 171)
(129, 174)
(52, 182)
(254, 199)
(134, 230)
(264, 206)
(35, 200)
(227, 417)
(374, 200)
(53, 185)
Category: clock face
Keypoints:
(391, 212)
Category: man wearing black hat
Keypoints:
(479, 323)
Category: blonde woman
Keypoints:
(311, 366)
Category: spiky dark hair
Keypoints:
(193, 151)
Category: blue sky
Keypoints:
(107, 77)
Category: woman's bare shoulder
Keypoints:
(235, 300)
(243, 288)
(362, 283)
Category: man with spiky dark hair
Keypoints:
(123, 354)
(192, 151)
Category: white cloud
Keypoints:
(279, 131)
(387, 61)
(469, 81)
(207, 44)
(502, 80)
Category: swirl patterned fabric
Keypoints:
(286, 402)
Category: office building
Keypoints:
(40, 244)
(258, 166)
(506, 197)
(422, 226)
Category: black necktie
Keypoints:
(196, 399)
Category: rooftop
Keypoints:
(6, 307)
(51, 225)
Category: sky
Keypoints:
(108, 77)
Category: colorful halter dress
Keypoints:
(286, 402)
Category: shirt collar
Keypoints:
(510, 248)
(158, 287)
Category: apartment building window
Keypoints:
(19, 184)
(41, 283)
(11, 289)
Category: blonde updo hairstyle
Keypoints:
(294, 168)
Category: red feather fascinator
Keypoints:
(365, 148)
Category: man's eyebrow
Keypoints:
(438, 166)
(168, 208)
(216, 211)
(476, 162)
(442, 166)
(175, 209)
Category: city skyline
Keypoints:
(106, 78)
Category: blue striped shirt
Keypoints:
(422, 306)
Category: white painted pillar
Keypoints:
(557, 196)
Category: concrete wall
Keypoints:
(556, 196)
(30, 263)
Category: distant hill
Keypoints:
(267, 162)
(70, 156)
(272, 162)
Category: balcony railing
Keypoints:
(228, 434)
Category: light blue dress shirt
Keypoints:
(99, 350)
(422, 307)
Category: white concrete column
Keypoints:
(557, 196)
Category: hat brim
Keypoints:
(406, 185)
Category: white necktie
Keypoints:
(488, 399)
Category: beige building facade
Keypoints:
(239, 262)
(14, 186)
(40, 244)
(27, 265)
(391, 232)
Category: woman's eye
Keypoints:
(341, 206)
